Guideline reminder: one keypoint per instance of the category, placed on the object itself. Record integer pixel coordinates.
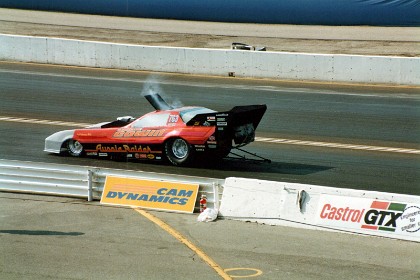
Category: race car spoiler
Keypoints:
(238, 124)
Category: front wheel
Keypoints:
(74, 148)
(178, 151)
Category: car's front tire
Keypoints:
(74, 148)
(178, 151)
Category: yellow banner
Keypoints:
(163, 195)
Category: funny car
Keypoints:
(178, 135)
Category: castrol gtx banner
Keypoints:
(162, 195)
(369, 215)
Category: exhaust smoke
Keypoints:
(154, 93)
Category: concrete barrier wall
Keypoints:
(299, 205)
(276, 65)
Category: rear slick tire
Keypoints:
(178, 151)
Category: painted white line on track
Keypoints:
(47, 122)
(337, 145)
(257, 139)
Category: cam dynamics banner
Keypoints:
(162, 195)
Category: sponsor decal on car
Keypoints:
(123, 149)
(83, 134)
(132, 132)
(369, 215)
(200, 148)
(140, 156)
(163, 195)
(173, 118)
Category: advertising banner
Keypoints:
(369, 215)
(162, 195)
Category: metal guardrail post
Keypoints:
(216, 195)
(90, 183)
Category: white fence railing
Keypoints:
(87, 182)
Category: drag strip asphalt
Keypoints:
(352, 137)
(257, 139)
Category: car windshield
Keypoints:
(151, 120)
(188, 114)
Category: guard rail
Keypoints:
(87, 182)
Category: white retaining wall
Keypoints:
(277, 65)
(368, 212)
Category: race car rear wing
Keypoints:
(238, 124)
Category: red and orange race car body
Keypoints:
(176, 134)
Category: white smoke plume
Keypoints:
(152, 86)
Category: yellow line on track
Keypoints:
(185, 241)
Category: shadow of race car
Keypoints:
(179, 135)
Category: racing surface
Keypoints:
(309, 130)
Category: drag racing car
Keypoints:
(178, 135)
